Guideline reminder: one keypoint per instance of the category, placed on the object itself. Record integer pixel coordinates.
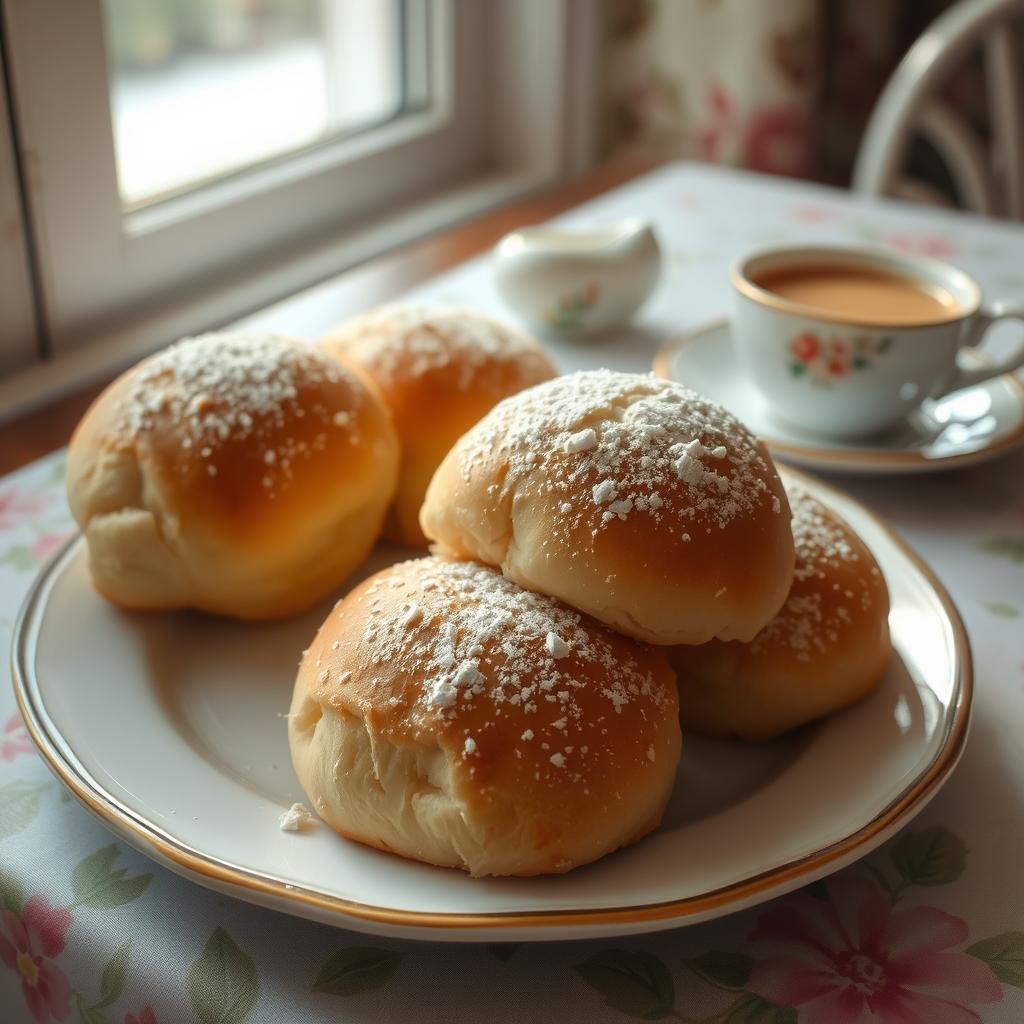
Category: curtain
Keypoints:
(782, 87)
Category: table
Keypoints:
(929, 928)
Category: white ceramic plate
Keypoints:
(969, 426)
(171, 729)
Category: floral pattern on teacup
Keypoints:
(825, 360)
(572, 308)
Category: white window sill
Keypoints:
(228, 301)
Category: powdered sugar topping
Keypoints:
(236, 385)
(416, 340)
(481, 642)
(295, 819)
(807, 624)
(582, 441)
(631, 444)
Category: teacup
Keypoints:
(846, 342)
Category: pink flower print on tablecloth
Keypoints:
(916, 243)
(46, 544)
(27, 945)
(17, 506)
(14, 739)
(814, 213)
(854, 959)
(144, 1016)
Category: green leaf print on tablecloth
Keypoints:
(12, 893)
(1003, 609)
(752, 1009)
(112, 981)
(1005, 955)
(356, 970)
(636, 984)
(18, 557)
(1011, 548)
(932, 857)
(726, 970)
(111, 987)
(640, 986)
(96, 883)
(731, 972)
(89, 1014)
(19, 804)
(223, 983)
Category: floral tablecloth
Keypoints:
(927, 930)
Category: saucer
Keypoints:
(967, 427)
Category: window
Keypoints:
(188, 163)
(199, 91)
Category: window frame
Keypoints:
(115, 286)
(20, 339)
(100, 259)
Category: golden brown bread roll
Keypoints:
(626, 496)
(447, 715)
(827, 647)
(242, 474)
(439, 370)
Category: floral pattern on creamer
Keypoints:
(572, 308)
(824, 360)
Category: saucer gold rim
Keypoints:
(860, 459)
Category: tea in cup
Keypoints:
(846, 342)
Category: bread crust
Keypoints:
(828, 647)
(430, 719)
(439, 370)
(626, 496)
(245, 475)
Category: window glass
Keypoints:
(204, 88)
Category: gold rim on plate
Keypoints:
(154, 841)
(863, 458)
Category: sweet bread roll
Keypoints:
(445, 714)
(439, 370)
(627, 496)
(242, 474)
(828, 647)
